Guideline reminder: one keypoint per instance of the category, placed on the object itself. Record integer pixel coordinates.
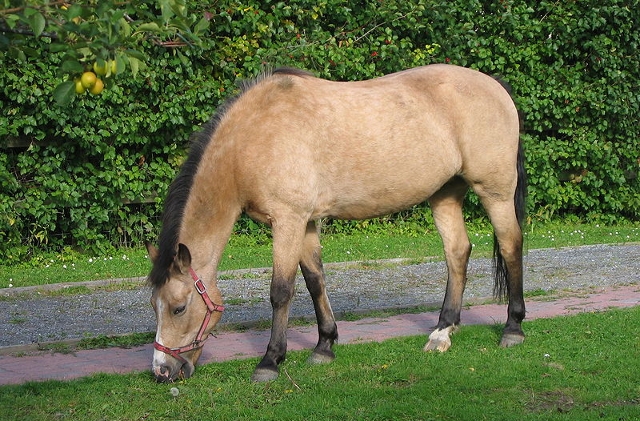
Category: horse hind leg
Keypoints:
(313, 273)
(508, 267)
(446, 206)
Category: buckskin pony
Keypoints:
(293, 148)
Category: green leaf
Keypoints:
(74, 11)
(11, 20)
(125, 28)
(30, 52)
(136, 54)
(64, 93)
(37, 23)
(57, 47)
(149, 27)
(121, 63)
(29, 11)
(117, 15)
(71, 66)
(201, 26)
(134, 63)
(165, 9)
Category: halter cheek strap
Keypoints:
(198, 342)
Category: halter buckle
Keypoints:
(200, 287)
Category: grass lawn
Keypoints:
(582, 367)
(246, 252)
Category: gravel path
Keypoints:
(27, 316)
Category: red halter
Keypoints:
(198, 342)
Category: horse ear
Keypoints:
(152, 250)
(183, 258)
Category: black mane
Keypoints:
(180, 188)
(176, 201)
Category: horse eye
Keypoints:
(179, 310)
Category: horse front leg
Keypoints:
(446, 207)
(287, 241)
(313, 273)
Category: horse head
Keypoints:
(185, 314)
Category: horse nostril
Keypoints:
(162, 374)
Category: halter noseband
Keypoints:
(198, 342)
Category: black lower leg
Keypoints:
(516, 313)
(281, 293)
(276, 353)
(449, 316)
(513, 333)
(327, 328)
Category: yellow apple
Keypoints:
(80, 89)
(100, 70)
(88, 79)
(98, 87)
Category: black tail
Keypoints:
(501, 285)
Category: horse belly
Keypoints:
(376, 184)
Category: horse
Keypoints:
(291, 149)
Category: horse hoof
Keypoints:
(261, 375)
(439, 340)
(318, 358)
(511, 339)
(437, 345)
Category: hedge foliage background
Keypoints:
(93, 174)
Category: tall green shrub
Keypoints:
(94, 174)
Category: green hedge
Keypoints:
(93, 174)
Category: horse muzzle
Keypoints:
(167, 370)
(167, 374)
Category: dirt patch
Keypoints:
(553, 401)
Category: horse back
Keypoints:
(361, 149)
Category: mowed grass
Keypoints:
(582, 367)
(247, 252)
